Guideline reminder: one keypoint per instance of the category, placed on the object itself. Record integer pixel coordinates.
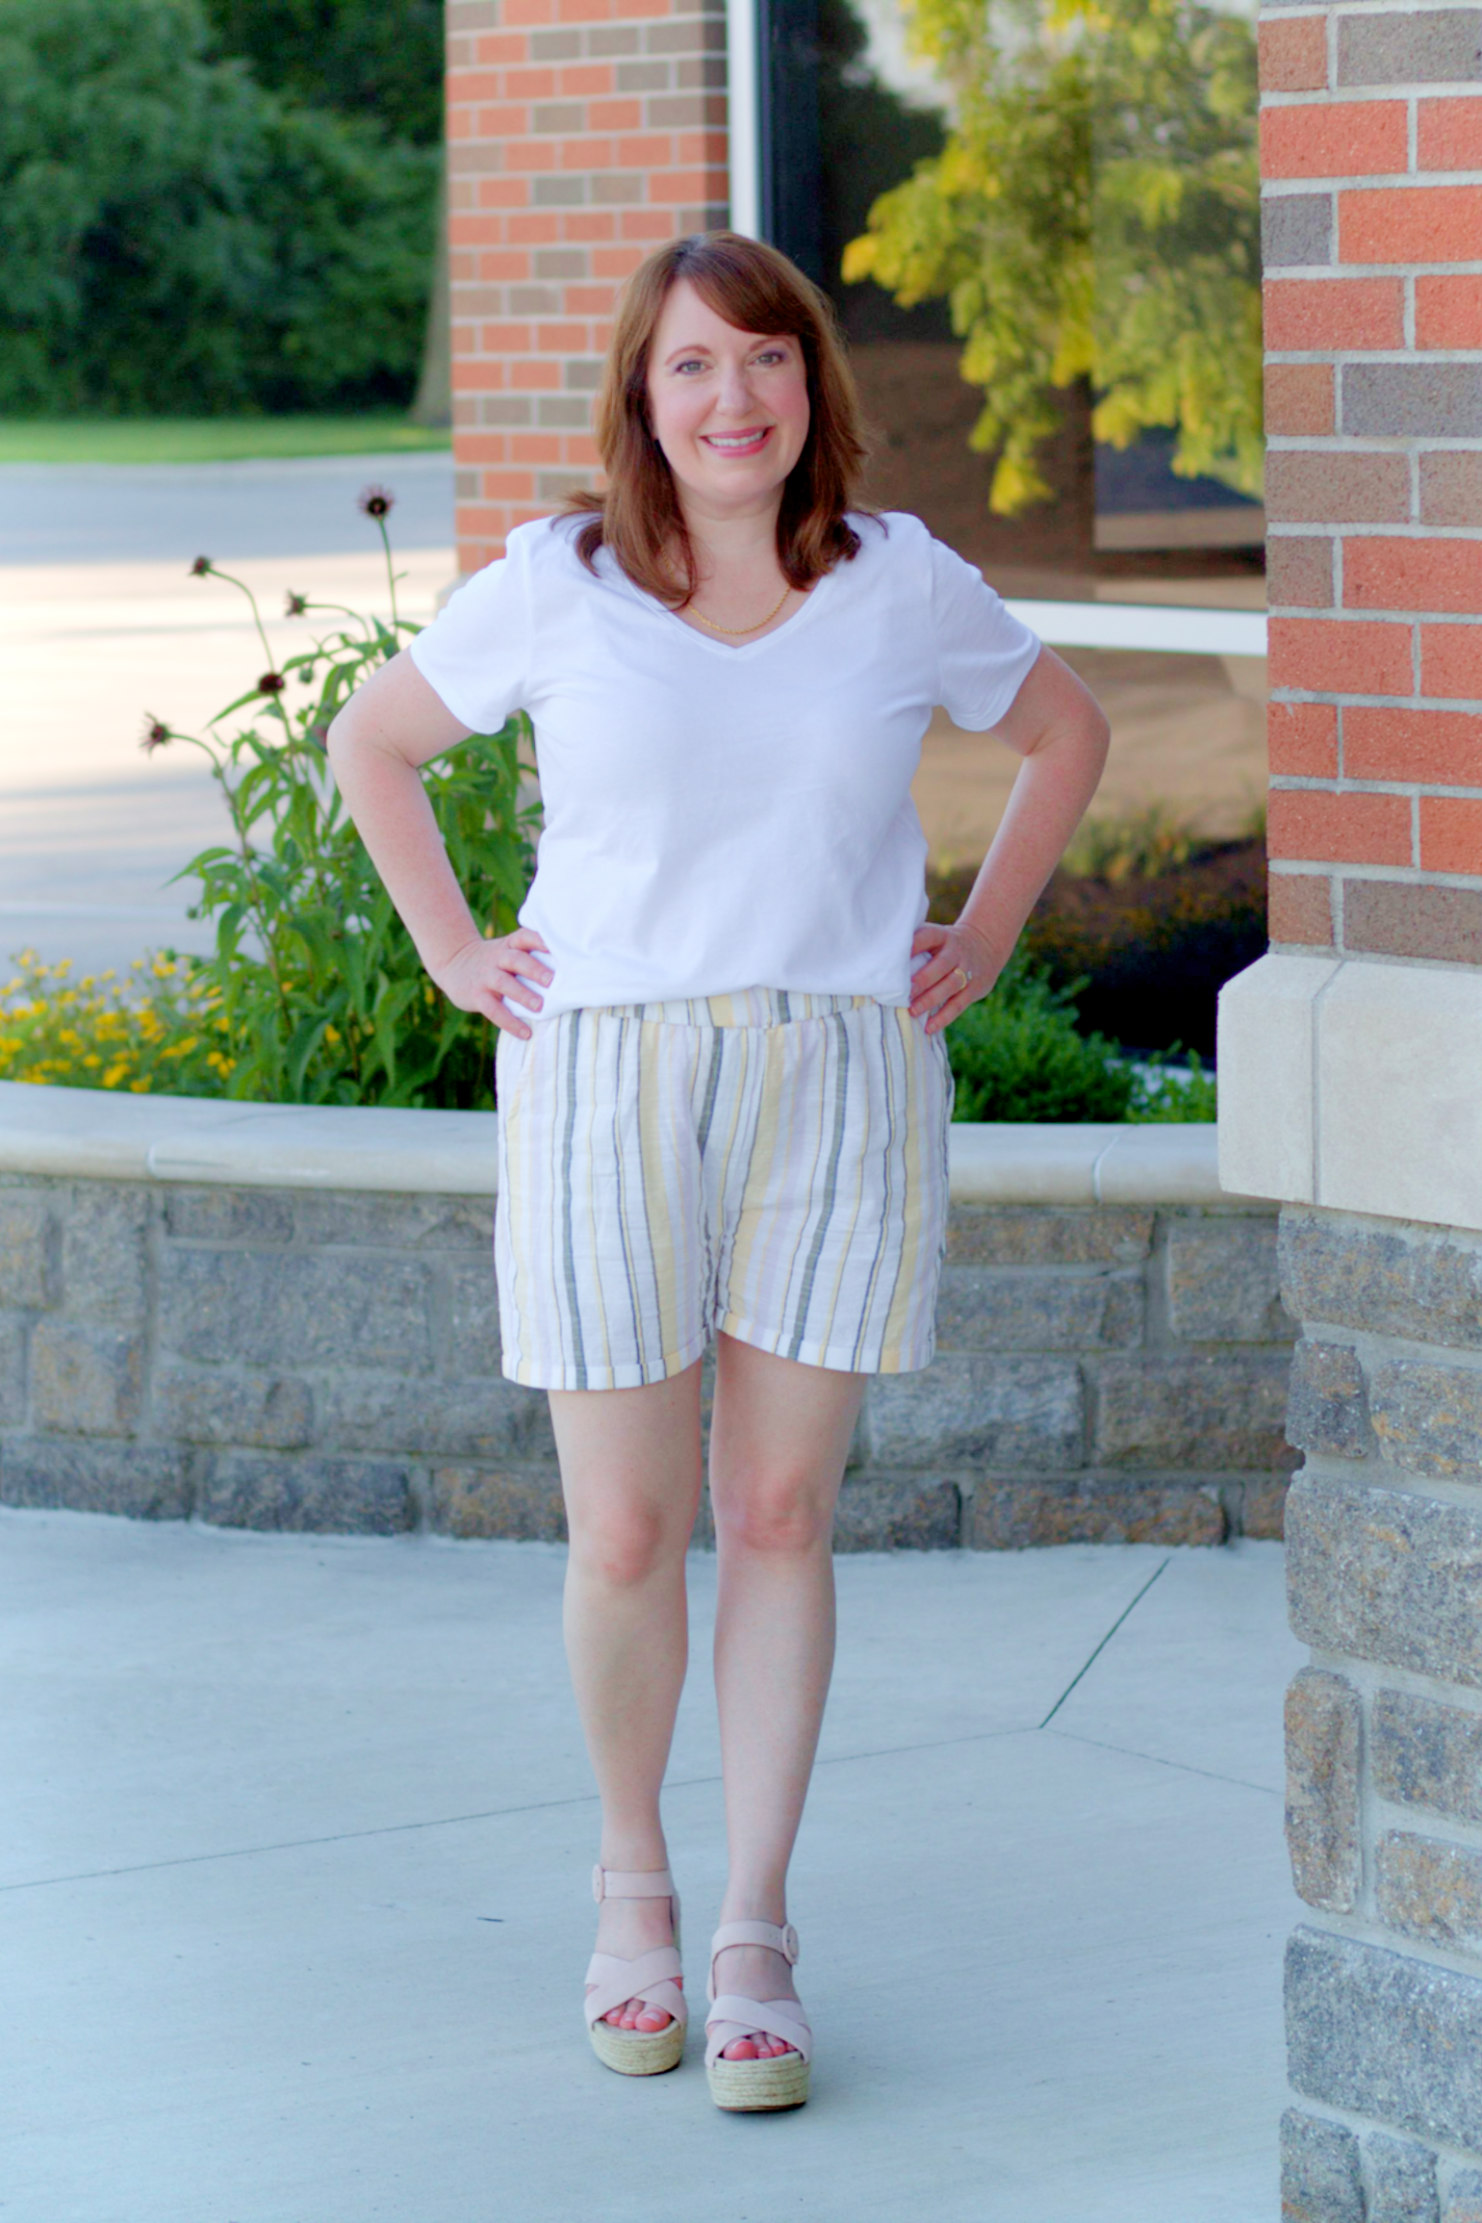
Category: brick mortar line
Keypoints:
(1365, 11)
(1392, 93)
(1344, 783)
(1370, 443)
(1369, 1929)
(1347, 614)
(1375, 1473)
(1292, 185)
(1372, 1677)
(1297, 698)
(1374, 528)
(1387, 358)
(1395, 875)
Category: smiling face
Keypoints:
(729, 409)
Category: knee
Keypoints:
(780, 1514)
(623, 1544)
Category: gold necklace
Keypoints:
(735, 632)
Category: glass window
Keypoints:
(1039, 223)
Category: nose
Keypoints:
(735, 396)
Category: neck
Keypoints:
(731, 541)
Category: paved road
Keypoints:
(99, 622)
(295, 1908)
(135, 512)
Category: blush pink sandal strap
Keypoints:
(653, 1977)
(734, 2016)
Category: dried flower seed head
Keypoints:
(375, 501)
(294, 605)
(201, 568)
(156, 734)
(271, 683)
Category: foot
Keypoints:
(628, 1927)
(756, 1973)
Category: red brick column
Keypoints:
(1372, 161)
(1350, 1079)
(581, 133)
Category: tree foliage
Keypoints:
(176, 238)
(1093, 213)
(381, 60)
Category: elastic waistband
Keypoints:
(744, 1007)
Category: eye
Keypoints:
(690, 363)
(772, 355)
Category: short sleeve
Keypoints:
(476, 652)
(984, 653)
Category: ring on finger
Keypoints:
(962, 970)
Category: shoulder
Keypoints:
(545, 543)
(894, 553)
(890, 540)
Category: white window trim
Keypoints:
(744, 117)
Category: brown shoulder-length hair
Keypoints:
(637, 515)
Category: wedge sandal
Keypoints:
(653, 1977)
(754, 2086)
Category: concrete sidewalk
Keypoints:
(295, 1893)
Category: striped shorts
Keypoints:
(767, 1163)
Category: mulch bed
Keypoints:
(1153, 953)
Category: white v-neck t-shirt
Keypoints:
(720, 817)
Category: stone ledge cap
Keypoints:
(1355, 1085)
(90, 1134)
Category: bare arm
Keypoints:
(388, 729)
(1060, 730)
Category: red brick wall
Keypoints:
(581, 133)
(1371, 139)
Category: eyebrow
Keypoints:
(698, 347)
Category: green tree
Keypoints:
(1093, 215)
(177, 239)
(380, 60)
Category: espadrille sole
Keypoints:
(754, 2087)
(638, 2052)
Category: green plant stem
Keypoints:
(390, 572)
(267, 652)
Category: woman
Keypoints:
(722, 1082)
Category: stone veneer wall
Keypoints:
(308, 1359)
(1384, 1730)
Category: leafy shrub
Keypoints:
(1020, 1055)
(177, 239)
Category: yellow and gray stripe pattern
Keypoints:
(767, 1163)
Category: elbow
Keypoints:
(339, 739)
(1095, 739)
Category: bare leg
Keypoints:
(778, 1442)
(630, 1472)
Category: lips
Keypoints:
(737, 443)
